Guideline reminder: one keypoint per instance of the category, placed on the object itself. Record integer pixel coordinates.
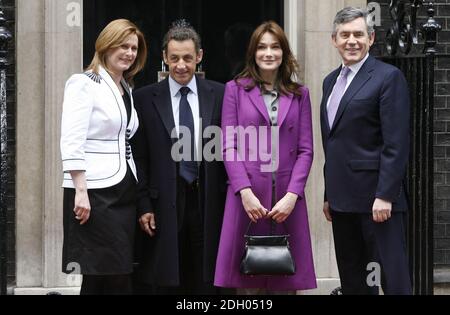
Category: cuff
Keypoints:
(74, 165)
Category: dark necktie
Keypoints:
(189, 168)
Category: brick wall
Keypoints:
(442, 120)
(442, 140)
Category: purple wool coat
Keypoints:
(247, 109)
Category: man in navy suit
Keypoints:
(365, 133)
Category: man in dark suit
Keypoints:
(180, 202)
(365, 134)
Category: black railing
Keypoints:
(5, 37)
(419, 72)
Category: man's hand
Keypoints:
(252, 206)
(283, 208)
(148, 225)
(381, 210)
(326, 211)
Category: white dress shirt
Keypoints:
(193, 103)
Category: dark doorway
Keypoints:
(223, 25)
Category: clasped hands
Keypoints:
(255, 210)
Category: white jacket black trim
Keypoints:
(94, 131)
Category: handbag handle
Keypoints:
(272, 227)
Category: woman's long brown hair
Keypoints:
(289, 68)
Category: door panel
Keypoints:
(224, 26)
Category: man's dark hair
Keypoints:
(180, 31)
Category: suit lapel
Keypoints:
(206, 102)
(285, 105)
(325, 98)
(163, 104)
(358, 82)
(258, 101)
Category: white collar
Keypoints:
(175, 86)
(357, 66)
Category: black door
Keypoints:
(224, 26)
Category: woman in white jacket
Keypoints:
(98, 122)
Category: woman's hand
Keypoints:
(82, 207)
(252, 206)
(283, 208)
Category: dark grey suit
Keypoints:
(179, 213)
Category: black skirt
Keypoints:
(104, 244)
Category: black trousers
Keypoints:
(359, 241)
(190, 245)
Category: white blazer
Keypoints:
(94, 131)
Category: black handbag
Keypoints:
(267, 255)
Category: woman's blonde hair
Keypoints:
(111, 37)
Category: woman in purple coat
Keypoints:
(268, 151)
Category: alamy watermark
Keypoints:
(231, 144)
(374, 18)
(74, 274)
(374, 277)
(73, 18)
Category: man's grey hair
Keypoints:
(180, 31)
(349, 14)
